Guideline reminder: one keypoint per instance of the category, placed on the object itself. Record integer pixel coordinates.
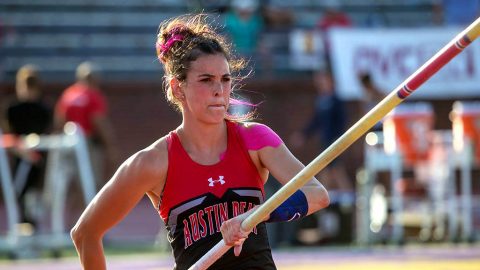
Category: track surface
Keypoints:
(451, 257)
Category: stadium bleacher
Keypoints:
(57, 35)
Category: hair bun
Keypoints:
(169, 38)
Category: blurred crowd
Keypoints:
(28, 112)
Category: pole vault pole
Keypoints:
(447, 53)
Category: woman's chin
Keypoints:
(217, 114)
(214, 119)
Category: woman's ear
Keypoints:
(177, 90)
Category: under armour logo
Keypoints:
(212, 182)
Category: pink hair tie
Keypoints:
(162, 49)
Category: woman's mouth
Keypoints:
(217, 106)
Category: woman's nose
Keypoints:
(217, 88)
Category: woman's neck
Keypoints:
(205, 143)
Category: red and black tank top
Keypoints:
(198, 198)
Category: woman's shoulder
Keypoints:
(152, 160)
(250, 127)
(257, 136)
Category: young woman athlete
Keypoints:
(206, 176)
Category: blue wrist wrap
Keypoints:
(295, 207)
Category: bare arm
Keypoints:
(105, 133)
(58, 122)
(283, 165)
(143, 172)
(103, 129)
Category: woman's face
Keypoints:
(206, 90)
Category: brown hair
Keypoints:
(184, 39)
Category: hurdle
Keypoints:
(11, 206)
(72, 143)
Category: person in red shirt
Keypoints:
(333, 17)
(84, 104)
(206, 176)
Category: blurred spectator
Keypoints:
(329, 120)
(332, 17)
(244, 25)
(371, 95)
(28, 114)
(84, 104)
(276, 17)
(455, 12)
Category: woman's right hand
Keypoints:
(233, 233)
